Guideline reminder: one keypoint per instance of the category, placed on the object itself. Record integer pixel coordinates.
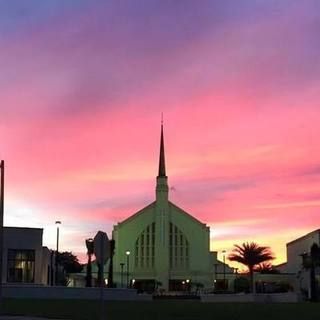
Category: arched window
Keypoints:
(178, 248)
(144, 248)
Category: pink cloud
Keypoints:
(81, 105)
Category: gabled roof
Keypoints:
(137, 213)
(188, 215)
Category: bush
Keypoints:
(241, 284)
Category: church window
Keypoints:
(178, 248)
(152, 257)
(145, 248)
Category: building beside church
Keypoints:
(296, 249)
(25, 260)
(162, 245)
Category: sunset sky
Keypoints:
(82, 88)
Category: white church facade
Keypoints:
(162, 245)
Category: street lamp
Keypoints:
(121, 275)
(224, 269)
(57, 250)
(188, 284)
(215, 275)
(128, 254)
(1, 223)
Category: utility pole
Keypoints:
(57, 253)
(224, 269)
(1, 223)
(128, 269)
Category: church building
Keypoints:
(162, 245)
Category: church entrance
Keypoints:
(145, 285)
(179, 285)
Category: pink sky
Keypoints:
(82, 88)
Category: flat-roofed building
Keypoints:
(295, 251)
(25, 260)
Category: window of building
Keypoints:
(21, 265)
(144, 248)
(178, 248)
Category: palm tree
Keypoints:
(251, 255)
(90, 250)
(266, 268)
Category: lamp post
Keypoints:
(121, 275)
(128, 254)
(1, 223)
(188, 285)
(57, 251)
(215, 275)
(224, 269)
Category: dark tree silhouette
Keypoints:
(266, 268)
(251, 255)
(110, 273)
(67, 263)
(90, 249)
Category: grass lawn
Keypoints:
(161, 310)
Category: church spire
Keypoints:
(162, 162)
(162, 183)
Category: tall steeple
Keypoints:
(162, 183)
(162, 162)
(161, 215)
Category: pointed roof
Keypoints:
(162, 163)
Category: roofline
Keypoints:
(280, 264)
(303, 237)
(204, 225)
(27, 228)
(135, 214)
